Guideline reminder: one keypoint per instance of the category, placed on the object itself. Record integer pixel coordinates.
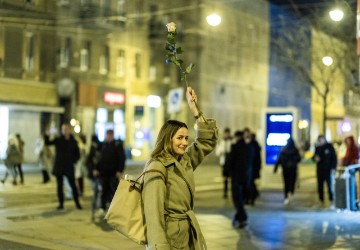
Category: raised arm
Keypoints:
(206, 132)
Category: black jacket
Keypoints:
(112, 158)
(327, 155)
(67, 154)
(241, 161)
(289, 157)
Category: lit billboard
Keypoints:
(278, 130)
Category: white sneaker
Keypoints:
(286, 201)
(100, 213)
(332, 207)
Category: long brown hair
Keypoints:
(163, 147)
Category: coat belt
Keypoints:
(199, 240)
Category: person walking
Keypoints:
(242, 158)
(289, 158)
(18, 166)
(326, 160)
(254, 192)
(67, 154)
(11, 160)
(169, 197)
(351, 157)
(80, 168)
(352, 152)
(45, 158)
(222, 151)
(110, 168)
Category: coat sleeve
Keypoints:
(49, 142)
(333, 158)
(278, 162)
(153, 194)
(205, 142)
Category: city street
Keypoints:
(29, 220)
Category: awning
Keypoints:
(34, 108)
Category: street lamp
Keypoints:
(336, 15)
(327, 60)
(213, 19)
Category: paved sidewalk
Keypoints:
(29, 220)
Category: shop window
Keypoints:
(29, 59)
(104, 61)
(85, 56)
(120, 64)
(65, 51)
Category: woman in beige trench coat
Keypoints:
(168, 202)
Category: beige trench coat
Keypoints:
(170, 220)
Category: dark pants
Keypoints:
(109, 185)
(238, 195)
(60, 191)
(289, 175)
(324, 175)
(18, 167)
(226, 176)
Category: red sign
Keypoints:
(114, 98)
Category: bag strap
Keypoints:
(149, 171)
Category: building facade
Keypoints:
(101, 65)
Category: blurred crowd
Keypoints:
(70, 161)
(240, 158)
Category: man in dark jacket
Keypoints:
(67, 154)
(326, 160)
(110, 167)
(241, 161)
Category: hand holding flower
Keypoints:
(173, 57)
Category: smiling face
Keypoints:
(180, 141)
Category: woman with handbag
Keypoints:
(168, 197)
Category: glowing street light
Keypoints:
(327, 60)
(213, 19)
(336, 15)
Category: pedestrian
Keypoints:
(45, 158)
(326, 160)
(254, 192)
(242, 158)
(18, 166)
(351, 157)
(110, 168)
(93, 158)
(352, 152)
(66, 155)
(169, 202)
(288, 159)
(222, 151)
(12, 159)
(80, 168)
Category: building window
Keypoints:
(120, 64)
(138, 65)
(121, 7)
(85, 2)
(104, 61)
(29, 60)
(85, 53)
(104, 7)
(65, 52)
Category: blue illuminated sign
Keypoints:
(278, 131)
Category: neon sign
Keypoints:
(114, 98)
